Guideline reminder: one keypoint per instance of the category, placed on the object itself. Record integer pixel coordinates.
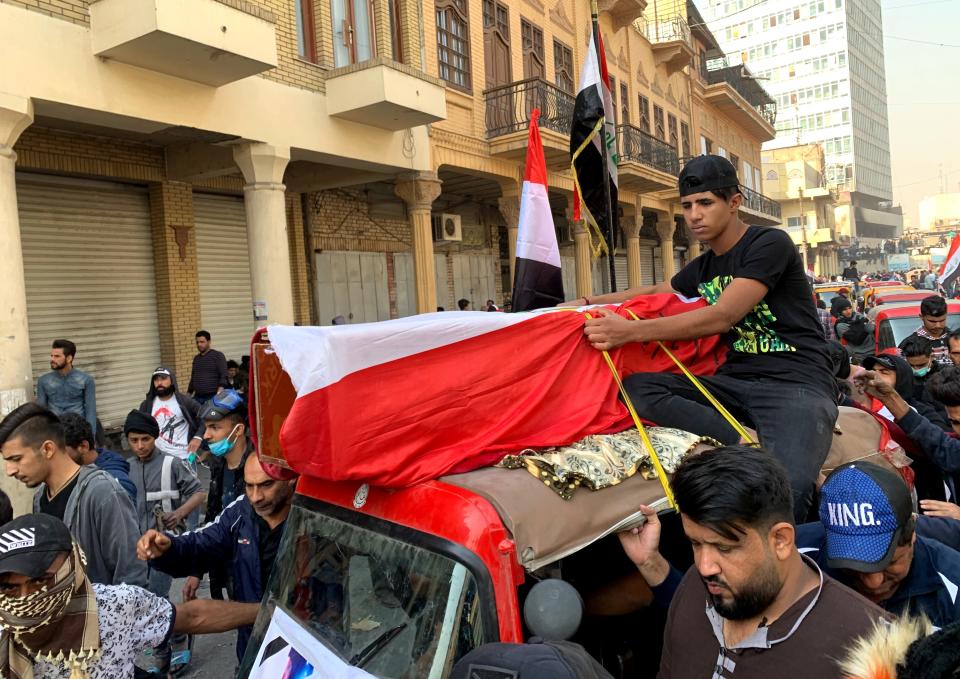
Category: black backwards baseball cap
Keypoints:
(162, 371)
(535, 660)
(707, 173)
(222, 404)
(30, 543)
(870, 362)
(865, 509)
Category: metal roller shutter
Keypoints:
(658, 264)
(646, 265)
(601, 276)
(623, 277)
(406, 283)
(223, 267)
(352, 285)
(88, 265)
(474, 278)
(678, 261)
(568, 271)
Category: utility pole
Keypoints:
(803, 230)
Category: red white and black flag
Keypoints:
(537, 281)
(950, 269)
(594, 123)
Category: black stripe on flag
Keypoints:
(536, 285)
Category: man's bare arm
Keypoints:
(207, 616)
(737, 300)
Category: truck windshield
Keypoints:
(395, 609)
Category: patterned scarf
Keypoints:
(69, 608)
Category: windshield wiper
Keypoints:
(374, 647)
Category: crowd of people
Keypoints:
(796, 569)
(88, 561)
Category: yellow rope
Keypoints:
(601, 246)
(661, 473)
(731, 420)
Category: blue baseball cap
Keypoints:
(864, 508)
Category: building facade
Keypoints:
(822, 60)
(226, 164)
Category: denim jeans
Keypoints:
(793, 421)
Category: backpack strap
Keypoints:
(168, 492)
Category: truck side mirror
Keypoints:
(553, 610)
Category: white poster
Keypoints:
(289, 651)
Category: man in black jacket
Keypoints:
(177, 415)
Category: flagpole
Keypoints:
(595, 18)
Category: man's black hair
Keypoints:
(914, 345)
(733, 488)
(944, 386)
(6, 509)
(821, 304)
(69, 348)
(853, 262)
(463, 303)
(76, 430)
(934, 305)
(202, 333)
(233, 364)
(906, 535)
(33, 424)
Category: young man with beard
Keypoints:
(752, 605)
(56, 624)
(759, 296)
(245, 536)
(88, 500)
(65, 389)
(177, 415)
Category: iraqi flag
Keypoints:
(403, 401)
(537, 281)
(950, 269)
(594, 122)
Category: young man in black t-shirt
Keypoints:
(776, 377)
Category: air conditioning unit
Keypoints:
(447, 228)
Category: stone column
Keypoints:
(509, 205)
(16, 374)
(631, 229)
(418, 191)
(264, 196)
(583, 259)
(665, 226)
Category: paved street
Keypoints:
(214, 654)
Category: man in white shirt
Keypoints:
(177, 415)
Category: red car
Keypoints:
(896, 320)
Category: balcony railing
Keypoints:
(662, 30)
(739, 78)
(760, 203)
(508, 107)
(639, 146)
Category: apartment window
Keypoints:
(453, 42)
(735, 161)
(613, 96)
(306, 30)
(685, 140)
(396, 30)
(658, 122)
(624, 103)
(563, 66)
(644, 114)
(531, 36)
(672, 129)
(706, 146)
(353, 33)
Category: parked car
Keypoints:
(896, 320)
(885, 297)
(870, 292)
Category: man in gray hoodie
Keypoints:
(95, 508)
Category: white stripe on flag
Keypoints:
(316, 357)
(536, 237)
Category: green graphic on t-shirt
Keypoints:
(754, 333)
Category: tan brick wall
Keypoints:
(299, 273)
(71, 153)
(74, 11)
(178, 287)
(340, 220)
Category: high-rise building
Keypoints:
(822, 60)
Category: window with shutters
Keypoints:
(563, 66)
(306, 30)
(613, 96)
(533, 59)
(658, 122)
(624, 103)
(453, 43)
(644, 114)
(685, 140)
(672, 129)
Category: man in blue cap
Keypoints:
(777, 376)
(866, 539)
